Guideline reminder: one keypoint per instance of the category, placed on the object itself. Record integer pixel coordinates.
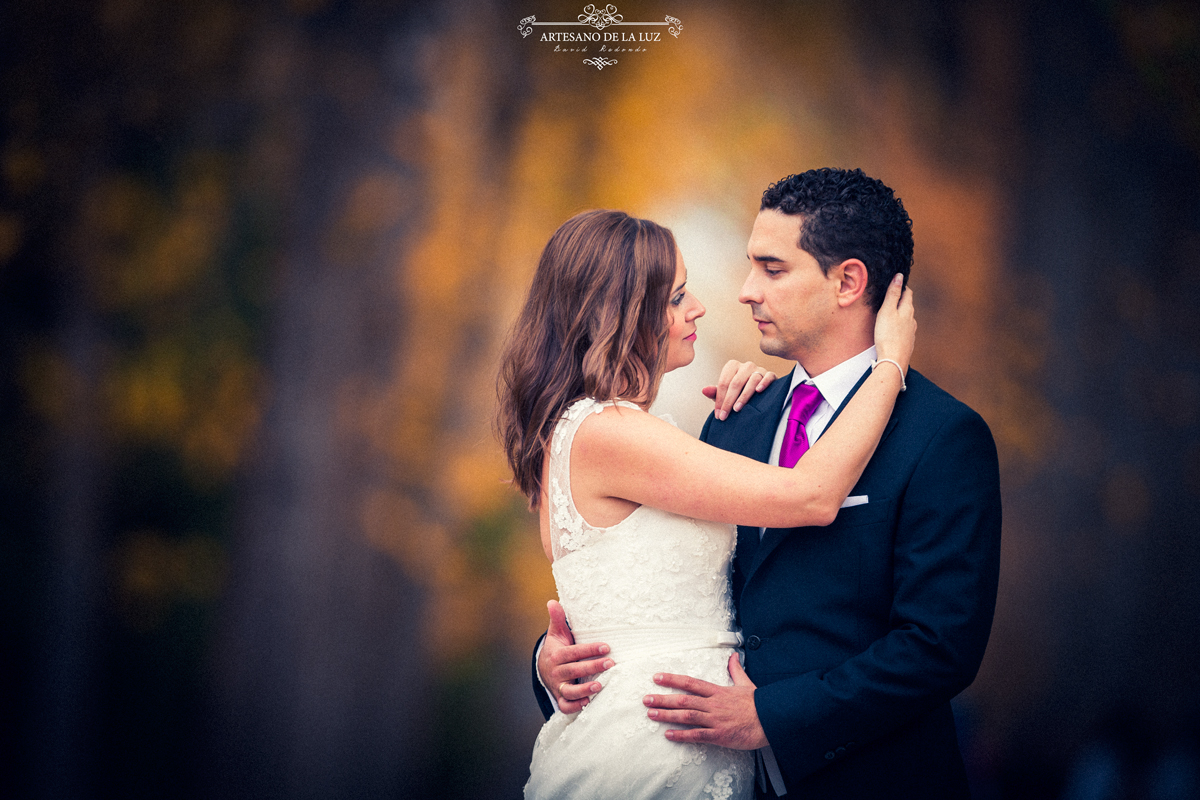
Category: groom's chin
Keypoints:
(771, 347)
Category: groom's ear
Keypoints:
(852, 281)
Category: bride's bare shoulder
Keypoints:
(624, 427)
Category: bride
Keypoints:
(635, 515)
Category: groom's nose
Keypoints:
(749, 292)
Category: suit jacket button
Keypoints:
(829, 756)
(753, 643)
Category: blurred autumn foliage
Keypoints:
(258, 260)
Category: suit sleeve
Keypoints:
(946, 570)
(544, 700)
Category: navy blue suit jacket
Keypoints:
(859, 633)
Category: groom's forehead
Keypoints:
(774, 235)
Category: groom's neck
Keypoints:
(833, 350)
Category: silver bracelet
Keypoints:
(876, 363)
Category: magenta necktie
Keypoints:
(805, 399)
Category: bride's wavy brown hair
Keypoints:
(594, 324)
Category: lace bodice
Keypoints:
(655, 588)
(652, 568)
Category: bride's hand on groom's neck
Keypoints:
(896, 325)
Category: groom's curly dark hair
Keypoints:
(848, 215)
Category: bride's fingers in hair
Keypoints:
(896, 291)
(896, 325)
(900, 296)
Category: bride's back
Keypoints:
(651, 568)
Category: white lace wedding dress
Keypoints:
(655, 587)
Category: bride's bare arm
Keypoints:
(634, 456)
(637, 457)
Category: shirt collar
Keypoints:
(836, 382)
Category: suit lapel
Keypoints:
(838, 411)
(753, 428)
(774, 536)
(891, 420)
(754, 439)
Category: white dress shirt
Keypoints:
(833, 384)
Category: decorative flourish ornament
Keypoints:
(600, 18)
(525, 27)
(600, 62)
(676, 26)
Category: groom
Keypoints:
(857, 635)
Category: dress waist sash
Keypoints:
(650, 640)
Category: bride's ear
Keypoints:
(852, 281)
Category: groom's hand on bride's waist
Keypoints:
(561, 663)
(720, 715)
